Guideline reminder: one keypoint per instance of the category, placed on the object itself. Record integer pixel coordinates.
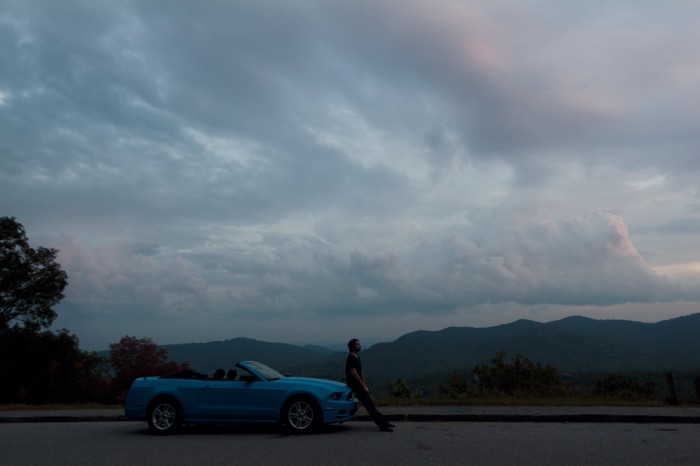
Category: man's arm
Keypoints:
(359, 378)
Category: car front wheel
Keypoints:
(164, 416)
(301, 415)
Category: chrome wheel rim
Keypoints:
(164, 416)
(301, 415)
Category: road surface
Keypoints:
(354, 443)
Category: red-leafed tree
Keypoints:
(133, 357)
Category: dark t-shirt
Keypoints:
(351, 362)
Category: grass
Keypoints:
(571, 401)
(51, 406)
(513, 401)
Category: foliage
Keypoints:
(458, 387)
(518, 377)
(133, 357)
(625, 387)
(47, 367)
(37, 365)
(401, 391)
(31, 282)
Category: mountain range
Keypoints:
(574, 344)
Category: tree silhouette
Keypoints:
(31, 281)
(519, 377)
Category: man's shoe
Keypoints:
(386, 429)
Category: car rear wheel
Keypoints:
(301, 415)
(164, 416)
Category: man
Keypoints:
(356, 380)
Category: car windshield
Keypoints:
(267, 372)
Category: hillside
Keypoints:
(574, 344)
(207, 357)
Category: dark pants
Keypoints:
(367, 402)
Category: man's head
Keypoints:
(354, 345)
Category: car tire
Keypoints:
(164, 416)
(300, 415)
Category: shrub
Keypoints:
(458, 387)
(520, 377)
(401, 391)
(625, 387)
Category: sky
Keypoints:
(308, 171)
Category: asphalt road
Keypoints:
(354, 443)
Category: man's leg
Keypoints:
(376, 416)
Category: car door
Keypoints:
(230, 399)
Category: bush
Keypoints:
(401, 391)
(458, 387)
(48, 367)
(520, 377)
(625, 387)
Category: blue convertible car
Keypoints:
(252, 393)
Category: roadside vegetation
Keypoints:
(520, 381)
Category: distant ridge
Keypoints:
(207, 357)
(575, 344)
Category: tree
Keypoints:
(49, 367)
(37, 365)
(31, 281)
(133, 357)
(625, 387)
(401, 391)
(458, 387)
(520, 377)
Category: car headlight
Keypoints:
(336, 395)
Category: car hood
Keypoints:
(322, 383)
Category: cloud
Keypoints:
(130, 275)
(529, 260)
(306, 159)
